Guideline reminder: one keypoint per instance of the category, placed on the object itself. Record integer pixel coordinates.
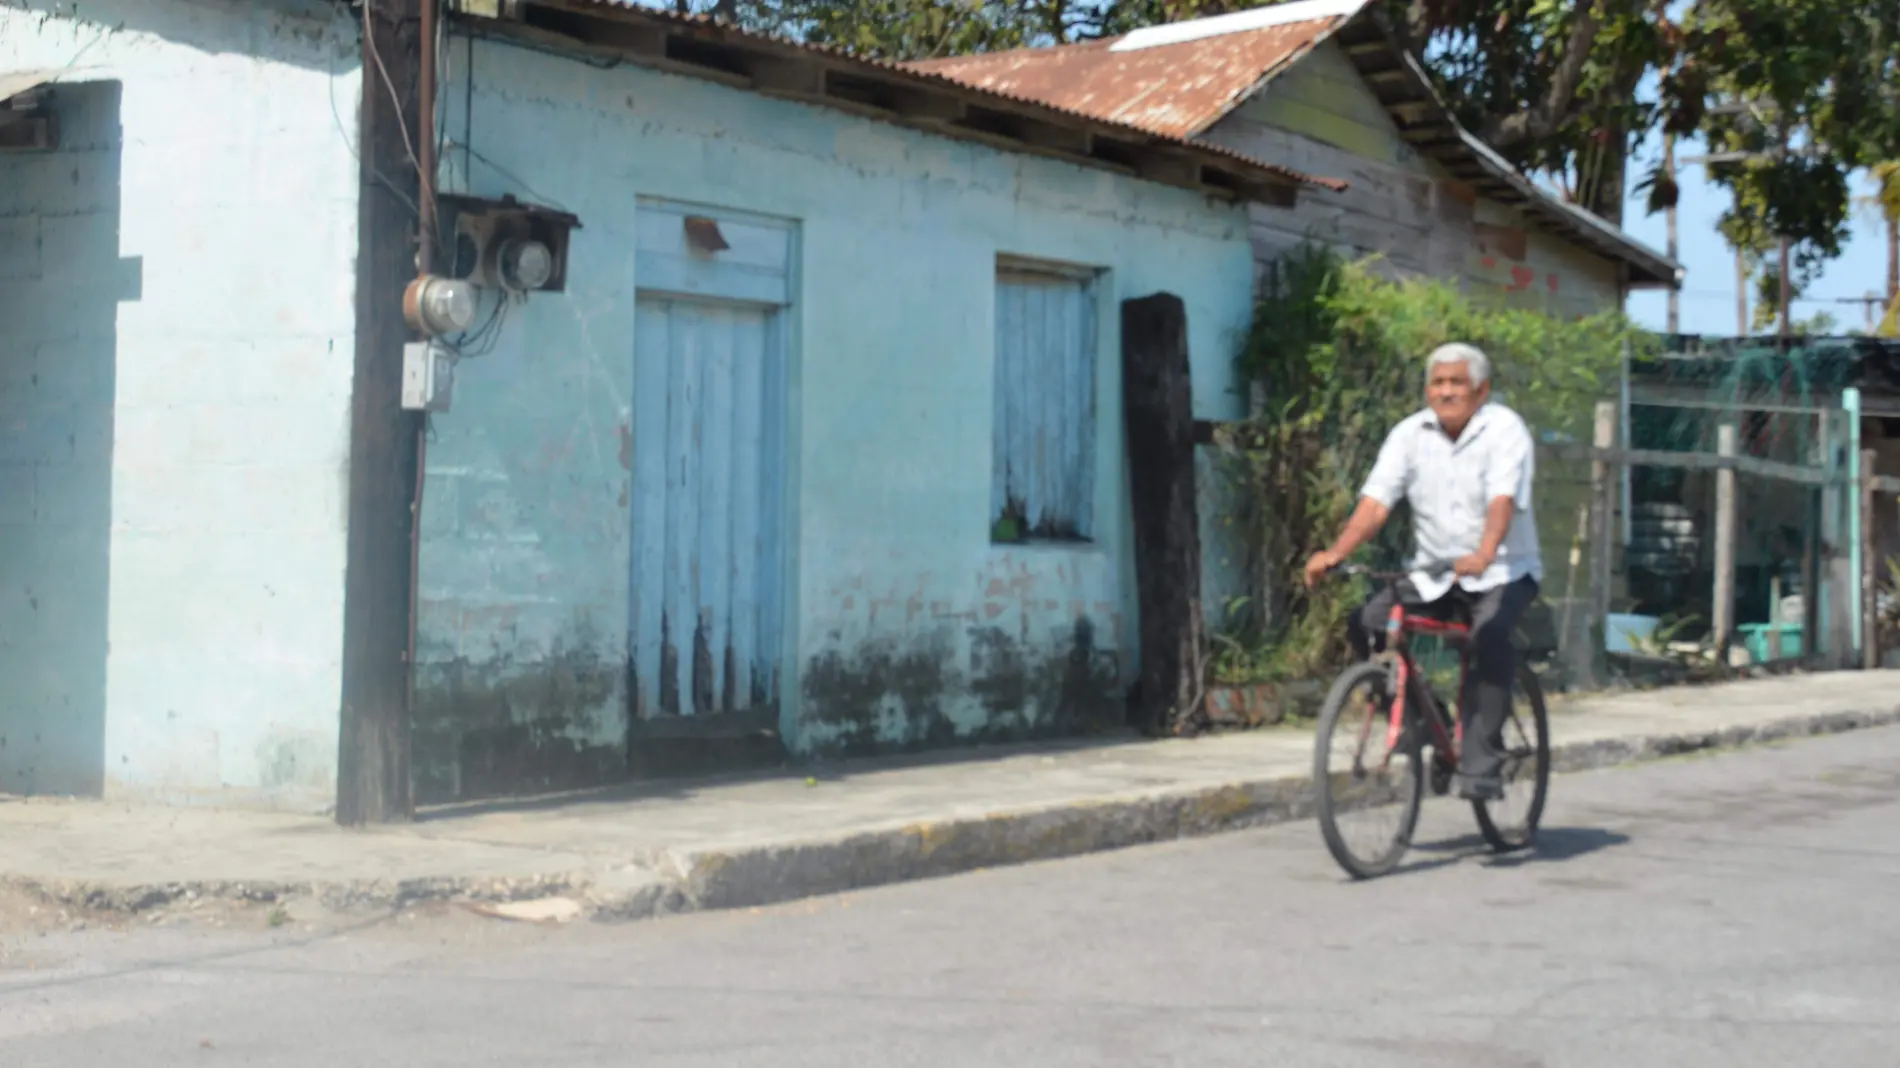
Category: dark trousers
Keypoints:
(1493, 616)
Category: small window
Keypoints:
(1042, 485)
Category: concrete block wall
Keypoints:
(905, 625)
(180, 278)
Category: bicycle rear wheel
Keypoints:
(1368, 795)
(1511, 823)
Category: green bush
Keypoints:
(1335, 358)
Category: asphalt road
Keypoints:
(1725, 911)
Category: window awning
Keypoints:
(25, 81)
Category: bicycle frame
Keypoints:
(1399, 627)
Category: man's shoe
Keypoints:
(1480, 789)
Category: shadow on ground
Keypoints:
(1555, 845)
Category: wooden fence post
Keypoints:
(1840, 577)
(1869, 571)
(1158, 409)
(1579, 662)
(1811, 550)
(1722, 613)
(1602, 505)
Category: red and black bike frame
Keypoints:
(1400, 625)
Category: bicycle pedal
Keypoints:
(1441, 777)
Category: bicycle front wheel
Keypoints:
(1368, 791)
(1510, 823)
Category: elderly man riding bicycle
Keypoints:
(1465, 464)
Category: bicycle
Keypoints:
(1399, 693)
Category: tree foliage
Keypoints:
(1803, 92)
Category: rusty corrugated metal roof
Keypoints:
(1180, 79)
(708, 26)
(1176, 89)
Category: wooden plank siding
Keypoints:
(1321, 118)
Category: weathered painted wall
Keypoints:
(904, 625)
(59, 257)
(1320, 118)
(176, 325)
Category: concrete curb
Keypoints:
(773, 873)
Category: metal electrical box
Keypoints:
(428, 376)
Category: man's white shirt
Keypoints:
(1450, 484)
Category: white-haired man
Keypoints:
(1466, 465)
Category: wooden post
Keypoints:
(373, 784)
(1722, 620)
(1602, 504)
(1848, 584)
(1159, 414)
(1579, 661)
(1774, 616)
(1838, 575)
(1811, 555)
(1869, 569)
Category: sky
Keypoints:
(1708, 293)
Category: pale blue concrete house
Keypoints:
(833, 332)
(818, 451)
(178, 227)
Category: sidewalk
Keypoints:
(661, 848)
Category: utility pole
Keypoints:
(1669, 172)
(1787, 325)
(1756, 114)
(373, 783)
(1787, 284)
(1742, 326)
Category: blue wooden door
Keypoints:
(709, 466)
(706, 526)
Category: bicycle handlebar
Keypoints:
(1433, 569)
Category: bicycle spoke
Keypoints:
(1511, 821)
(1369, 788)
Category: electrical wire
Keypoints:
(349, 145)
(482, 340)
(511, 176)
(425, 183)
(444, 66)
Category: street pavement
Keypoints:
(1725, 910)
